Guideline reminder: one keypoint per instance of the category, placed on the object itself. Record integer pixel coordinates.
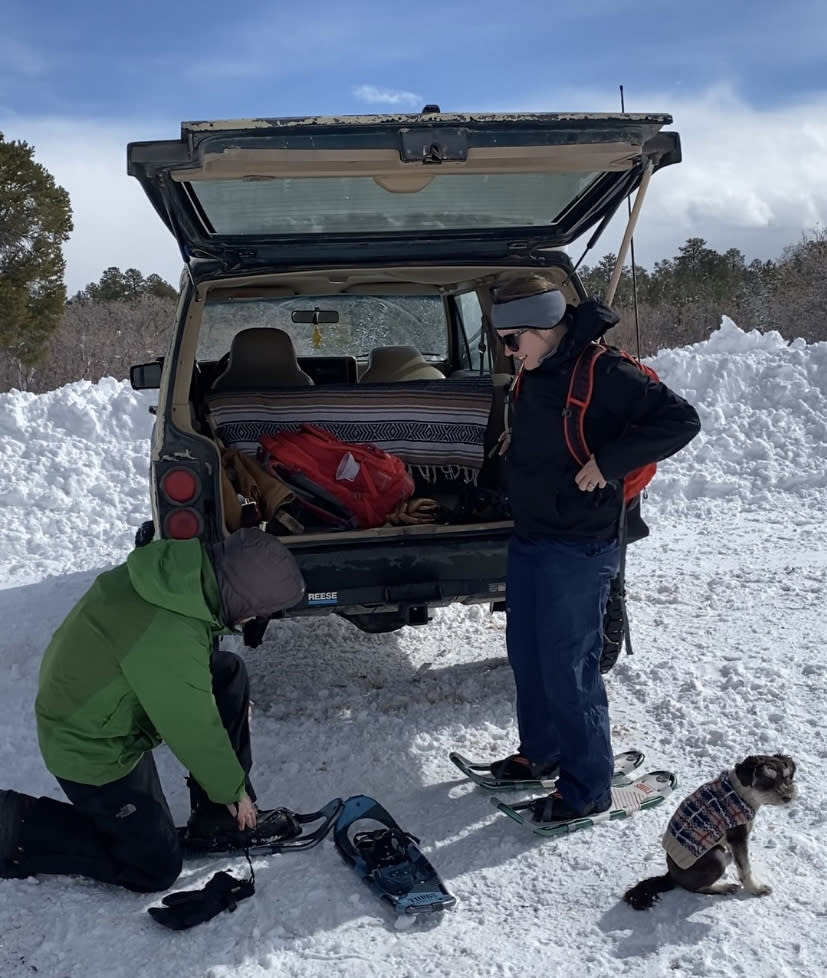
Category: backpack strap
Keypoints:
(581, 388)
(578, 398)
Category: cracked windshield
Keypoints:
(345, 325)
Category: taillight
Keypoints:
(180, 485)
(183, 524)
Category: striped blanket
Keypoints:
(435, 426)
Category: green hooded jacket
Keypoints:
(130, 667)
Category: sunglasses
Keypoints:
(511, 341)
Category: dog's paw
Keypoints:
(729, 889)
(759, 889)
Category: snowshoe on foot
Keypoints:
(633, 795)
(522, 775)
(276, 830)
(554, 809)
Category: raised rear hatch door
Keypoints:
(264, 193)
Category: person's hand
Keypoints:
(503, 442)
(590, 477)
(244, 812)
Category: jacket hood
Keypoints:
(169, 574)
(586, 322)
(257, 576)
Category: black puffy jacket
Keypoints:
(631, 420)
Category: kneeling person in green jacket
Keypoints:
(135, 663)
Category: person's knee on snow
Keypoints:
(161, 875)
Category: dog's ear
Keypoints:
(787, 764)
(745, 770)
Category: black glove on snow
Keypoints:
(190, 907)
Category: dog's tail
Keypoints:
(646, 893)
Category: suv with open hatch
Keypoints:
(338, 273)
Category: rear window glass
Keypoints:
(356, 205)
(363, 323)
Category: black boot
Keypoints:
(515, 767)
(554, 808)
(212, 827)
(13, 806)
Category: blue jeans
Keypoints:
(556, 593)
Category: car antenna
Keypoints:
(632, 254)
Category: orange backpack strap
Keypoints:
(578, 398)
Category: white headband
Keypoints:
(541, 311)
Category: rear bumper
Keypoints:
(393, 575)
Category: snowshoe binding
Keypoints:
(277, 830)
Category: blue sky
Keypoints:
(746, 83)
(121, 60)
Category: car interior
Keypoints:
(442, 411)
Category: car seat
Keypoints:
(261, 357)
(390, 364)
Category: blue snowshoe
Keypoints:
(388, 859)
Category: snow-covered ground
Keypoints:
(727, 599)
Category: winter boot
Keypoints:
(212, 827)
(12, 808)
(554, 808)
(515, 767)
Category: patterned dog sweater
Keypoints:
(703, 818)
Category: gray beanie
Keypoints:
(257, 576)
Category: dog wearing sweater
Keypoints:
(711, 827)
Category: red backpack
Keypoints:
(578, 399)
(366, 482)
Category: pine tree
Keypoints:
(35, 222)
(128, 286)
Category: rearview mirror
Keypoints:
(315, 316)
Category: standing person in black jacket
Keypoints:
(564, 550)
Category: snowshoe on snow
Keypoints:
(388, 859)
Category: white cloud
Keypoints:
(751, 179)
(386, 96)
